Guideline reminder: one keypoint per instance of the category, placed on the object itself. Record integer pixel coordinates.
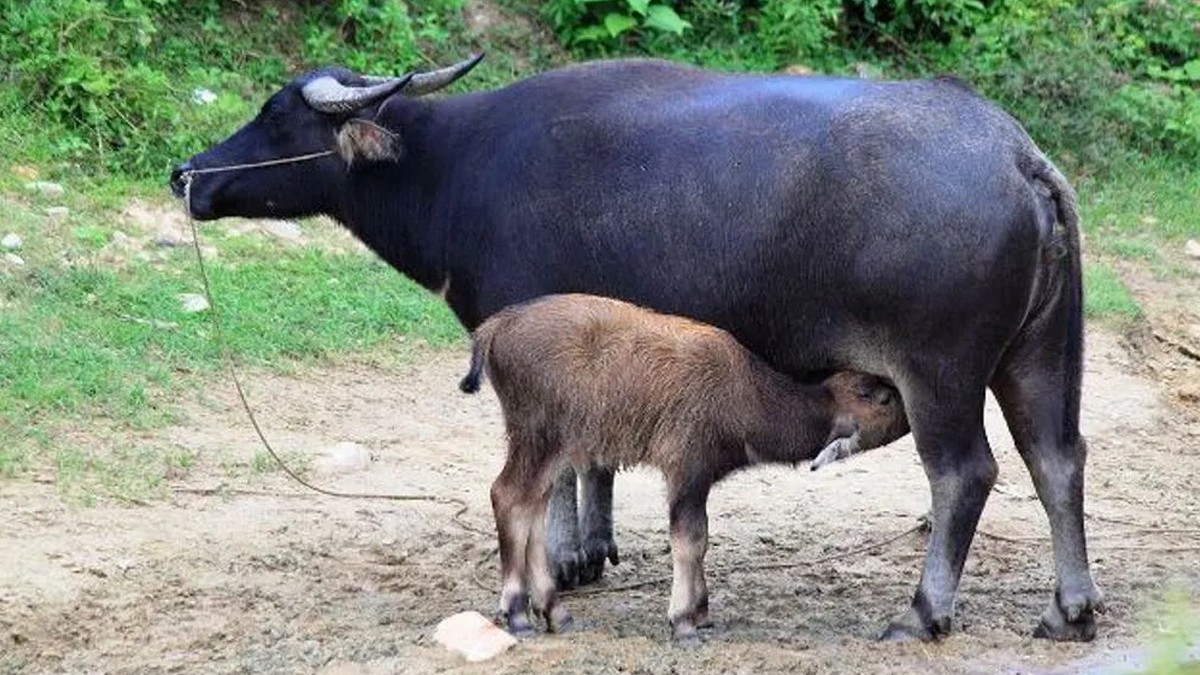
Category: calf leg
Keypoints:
(689, 542)
(947, 423)
(543, 590)
(512, 527)
(595, 523)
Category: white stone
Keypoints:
(1192, 248)
(1194, 332)
(287, 230)
(192, 302)
(472, 636)
(46, 188)
(203, 96)
(11, 242)
(14, 260)
(344, 457)
(57, 212)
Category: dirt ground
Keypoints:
(279, 580)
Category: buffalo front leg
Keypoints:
(562, 531)
(961, 471)
(596, 523)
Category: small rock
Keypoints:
(57, 212)
(1194, 332)
(11, 242)
(798, 69)
(14, 260)
(46, 188)
(1192, 249)
(472, 636)
(203, 96)
(344, 457)
(26, 172)
(287, 230)
(192, 302)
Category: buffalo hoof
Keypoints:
(567, 567)
(910, 626)
(594, 554)
(1071, 618)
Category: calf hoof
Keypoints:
(687, 639)
(560, 620)
(593, 554)
(1071, 618)
(520, 627)
(910, 626)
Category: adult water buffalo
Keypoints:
(908, 229)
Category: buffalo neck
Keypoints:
(392, 207)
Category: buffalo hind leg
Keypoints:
(688, 610)
(947, 423)
(1035, 398)
(596, 523)
(562, 540)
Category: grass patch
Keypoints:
(82, 339)
(1149, 199)
(1106, 296)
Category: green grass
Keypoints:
(1153, 198)
(1106, 296)
(82, 340)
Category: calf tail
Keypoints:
(480, 349)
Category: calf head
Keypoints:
(867, 413)
(311, 114)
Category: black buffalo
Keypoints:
(908, 229)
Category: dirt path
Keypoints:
(291, 582)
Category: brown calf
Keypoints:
(594, 381)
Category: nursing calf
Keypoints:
(587, 381)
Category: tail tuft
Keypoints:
(471, 381)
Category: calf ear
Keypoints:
(360, 140)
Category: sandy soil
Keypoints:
(285, 581)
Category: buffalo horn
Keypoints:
(426, 83)
(325, 94)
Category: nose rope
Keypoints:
(223, 348)
(257, 165)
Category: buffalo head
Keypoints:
(308, 115)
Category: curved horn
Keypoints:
(325, 94)
(425, 83)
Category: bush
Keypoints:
(1097, 79)
(116, 83)
(1094, 81)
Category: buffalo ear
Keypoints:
(360, 140)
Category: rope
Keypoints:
(187, 176)
(865, 548)
(227, 356)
